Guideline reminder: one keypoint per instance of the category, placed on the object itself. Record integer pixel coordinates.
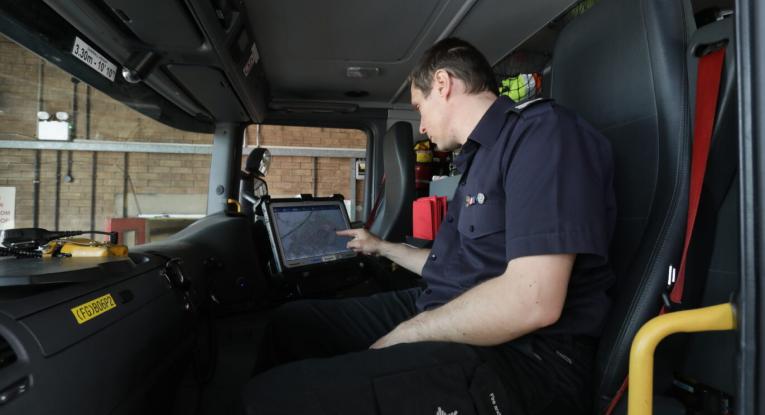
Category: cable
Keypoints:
(19, 253)
(33, 238)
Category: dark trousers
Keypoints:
(315, 360)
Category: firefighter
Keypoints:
(517, 277)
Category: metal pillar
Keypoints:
(352, 190)
(226, 159)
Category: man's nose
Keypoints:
(422, 129)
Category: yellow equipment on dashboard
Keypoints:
(83, 247)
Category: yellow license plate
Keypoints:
(93, 308)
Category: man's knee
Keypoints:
(284, 335)
(288, 320)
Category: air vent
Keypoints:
(7, 356)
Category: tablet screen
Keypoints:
(305, 232)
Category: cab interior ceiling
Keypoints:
(193, 53)
(334, 61)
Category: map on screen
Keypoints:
(307, 233)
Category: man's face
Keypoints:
(433, 118)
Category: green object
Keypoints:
(517, 88)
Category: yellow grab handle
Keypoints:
(713, 318)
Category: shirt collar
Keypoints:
(488, 128)
(462, 161)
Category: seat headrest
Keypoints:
(394, 218)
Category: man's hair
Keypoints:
(461, 60)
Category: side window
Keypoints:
(100, 166)
(319, 161)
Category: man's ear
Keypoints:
(442, 83)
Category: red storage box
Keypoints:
(427, 214)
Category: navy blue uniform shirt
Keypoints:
(536, 180)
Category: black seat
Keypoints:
(622, 66)
(394, 216)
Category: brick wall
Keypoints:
(293, 175)
(162, 174)
(151, 174)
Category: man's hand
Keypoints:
(363, 241)
(367, 243)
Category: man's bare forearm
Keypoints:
(528, 296)
(481, 317)
(407, 256)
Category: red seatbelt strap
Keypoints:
(376, 206)
(707, 92)
(618, 396)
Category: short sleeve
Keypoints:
(559, 188)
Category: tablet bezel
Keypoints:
(276, 242)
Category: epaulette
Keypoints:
(524, 108)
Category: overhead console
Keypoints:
(231, 36)
(200, 55)
(185, 35)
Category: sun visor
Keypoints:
(149, 20)
(210, 88)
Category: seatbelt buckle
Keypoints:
(671, 278)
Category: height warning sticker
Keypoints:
(93, 308)
(7, 207)
(95, 60)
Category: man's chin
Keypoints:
(444, 147)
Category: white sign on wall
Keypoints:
(7, 207)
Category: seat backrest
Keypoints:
(621, 65)
(394, 216)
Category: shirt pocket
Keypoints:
(479, 220)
